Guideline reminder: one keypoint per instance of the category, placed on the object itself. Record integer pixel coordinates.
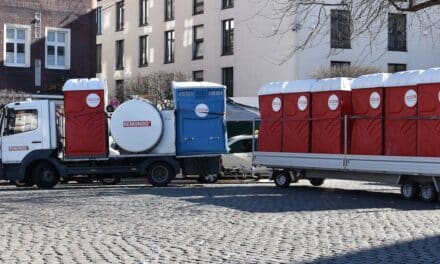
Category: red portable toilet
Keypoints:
(428, 123)
(401, 113)
(367, 121)
(331, 101)
(296, 116)
(85, 119)
(271, 112)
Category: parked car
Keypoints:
(238, 161)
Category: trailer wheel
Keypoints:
(110, 179)
(160, 174)
(208, 178)
(409, 190)
(23, 183)
(428, 193)
(46, 176)
(281, 179)
(316, 181)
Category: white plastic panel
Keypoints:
(370, 81)
(83, 85)
(299, 86)
(272, 88)
(333, 84)
(167, 144)
(406, 78)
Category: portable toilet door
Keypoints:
(401, 113)
(367, 121)
(200, 118)
(271, 111)
(296, 116)
(428, 123)
(331, 101)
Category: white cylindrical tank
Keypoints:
(136, 126)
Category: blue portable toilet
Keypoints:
(200, 118)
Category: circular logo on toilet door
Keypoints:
(302, 103)
(438, 96)
(276, 104)
(93, 100)
(202, 110)
(333, 102)
(374, 100)
(410, 98)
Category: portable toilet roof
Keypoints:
(195, 85)
(370, 81)
(431, 75)
(298, 86)
(272, 88)
(83, 85)
(405, 78)
(333, 84)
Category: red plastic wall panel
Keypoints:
(428, 125)
(296, 122)
(327, 124)
(367, 124)
(269, 137)
(86, 129)
(400, 121)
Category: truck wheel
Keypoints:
(46, 176)
(160, 174)
(316, 181)
(409, 190)
(281, 179)
(208, 178)
(428, 193)
(110, 179)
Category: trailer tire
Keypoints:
(160, 174)
(409, 190)
(110, 179)
(316, 181)
(46, 176)
(22, 183)
(282, 179)
(428, 193)
(208, 178)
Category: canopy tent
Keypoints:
(240, 114)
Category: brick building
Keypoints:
(45, 42)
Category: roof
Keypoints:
(272, 88)
(196, 85)
(236, 112)
(299, 86)
(406, 78)
(333, 84)
(430, 76)
(83, 85)
(370, 81)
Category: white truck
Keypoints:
(33, 147)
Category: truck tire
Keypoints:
(409, 190)
(46, 176)
(428, 193)
(316, 182)
(160, 174)
(110, 179)
(281, 179)
(208, 178)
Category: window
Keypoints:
(98, 58)
(17, 46)
(198, 76)
(228, 80)
(20, 121)
(143, 51)
(120, 55)
(339, 64)
(340, 32)
(169, 10)
(227, 4)
(397, 32)
(198, 42)
(120, 7)
(198, 6)
(57, 48)
(169, 46)
(99, 21)
(143, 12)
(228, 37)
(396, 67)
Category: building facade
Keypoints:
(230, 42)
(44, 43)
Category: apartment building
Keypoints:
(229, 42)
(45, 43)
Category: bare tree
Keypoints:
(10, 96)
(344, 71)
(155, 87)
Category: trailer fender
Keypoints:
(169, 160)
(436, 182)
(39, 156)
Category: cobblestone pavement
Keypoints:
(341, 222)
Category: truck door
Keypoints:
(22, 132)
